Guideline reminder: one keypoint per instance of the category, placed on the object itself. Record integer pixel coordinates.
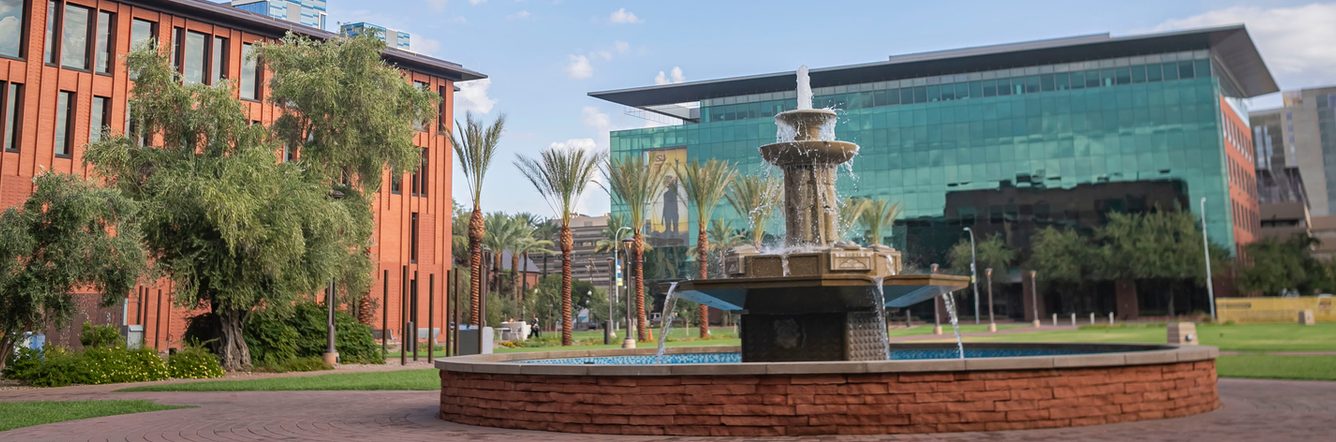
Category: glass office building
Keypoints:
(1006, 139)
(307, 12)
(392, 38)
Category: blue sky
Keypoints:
(543, 56)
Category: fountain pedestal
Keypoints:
(819, 299)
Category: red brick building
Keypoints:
(63, 78)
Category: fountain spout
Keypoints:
(804, 89)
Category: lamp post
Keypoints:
(615, 276)
(974, 275)
(1034, 296)
(1206, 250)
(630, 341)
(988, 276)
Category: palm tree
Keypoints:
(851, 210)
(475, 146)
(705, 185)
(502, 233)
(755, 198)
(722, 238)
(636, 183)
(878, 215)
(526, 243)
(459, 233)
(560, 176)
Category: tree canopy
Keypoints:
(68, 234)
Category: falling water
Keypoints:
(879, 304)
(784, 262)
(666, 320)
(890, 264)
(804, 88)
(950, 301)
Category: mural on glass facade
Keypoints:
(667, 221)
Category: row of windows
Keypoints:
(69, 33)
(1149, 73)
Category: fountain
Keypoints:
(815, 357)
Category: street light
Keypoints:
(630, 341)
(974, 276)
(1206, 250)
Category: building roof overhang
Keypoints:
(1232, 46)
(226, 15)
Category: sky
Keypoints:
(543, 56)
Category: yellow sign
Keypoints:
(1255, 310)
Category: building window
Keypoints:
(420, 125)
(396, 184)
(141, 32)
(419, 183)
(98, 119)
(413, 239)
(64, 123)
(105, 35)
(74, 35)
(178, 45)
(250, 73)
(218, 66)
(194, 57)
(49, 46)
(440, 112)
(11, 114)
(12, 14)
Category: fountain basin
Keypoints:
(1090, 384)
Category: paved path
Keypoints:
(1253, 410)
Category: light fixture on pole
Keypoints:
(630, 341)
(974, 276)
(1206, 251)
(1034, 296)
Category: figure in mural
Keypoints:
(670, 199)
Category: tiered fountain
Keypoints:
(815, 357)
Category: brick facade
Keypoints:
(809, 404)
(35, 154)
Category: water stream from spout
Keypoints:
(879, 304)
(784, 262)
(950, 302)
(666, 321)
(804, 88)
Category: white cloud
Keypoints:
(438, 5)
(673, 76)
(472, 97)
(425, 45)
(476, 2)
(579, 67)
(622, 16)
(621, 46)
(595, 119)
(604, 55)
(1296, 42)
(575, 143)
(521, 15)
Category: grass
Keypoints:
(1318, 368)
(1239, 338)
(926, 329)
(28, 413)
(418, 379)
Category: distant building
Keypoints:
(391, 37)
(307, 12)
(1301, 135)
(586, 263)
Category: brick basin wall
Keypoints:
(809, 404)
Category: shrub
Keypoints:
(56, 367)
(276, 337)
(100, 336)
(352, 339)
(194, 362)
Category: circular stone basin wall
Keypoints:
(1120, 383)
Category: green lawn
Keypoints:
(1318, 368)
(926, 329)
(28, 413)
(1240, 338)
(418, 379)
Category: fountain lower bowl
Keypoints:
(1071, 385)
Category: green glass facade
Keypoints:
(1146, 119)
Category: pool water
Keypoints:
(734, 358)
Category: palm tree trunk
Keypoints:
(567, 244)
(638, 254)
(515, 275)
(703, 257)
(476, 232)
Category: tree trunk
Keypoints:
(567, 244)
(703, 255)
(233, 352)
(7, 341)
(364, 310)
(497, 274)
(638, 254)
(476, 231)
(516, 274)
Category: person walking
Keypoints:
(534, 332)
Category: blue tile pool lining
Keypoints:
(734, 358)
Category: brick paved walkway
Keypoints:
(1253, 410)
